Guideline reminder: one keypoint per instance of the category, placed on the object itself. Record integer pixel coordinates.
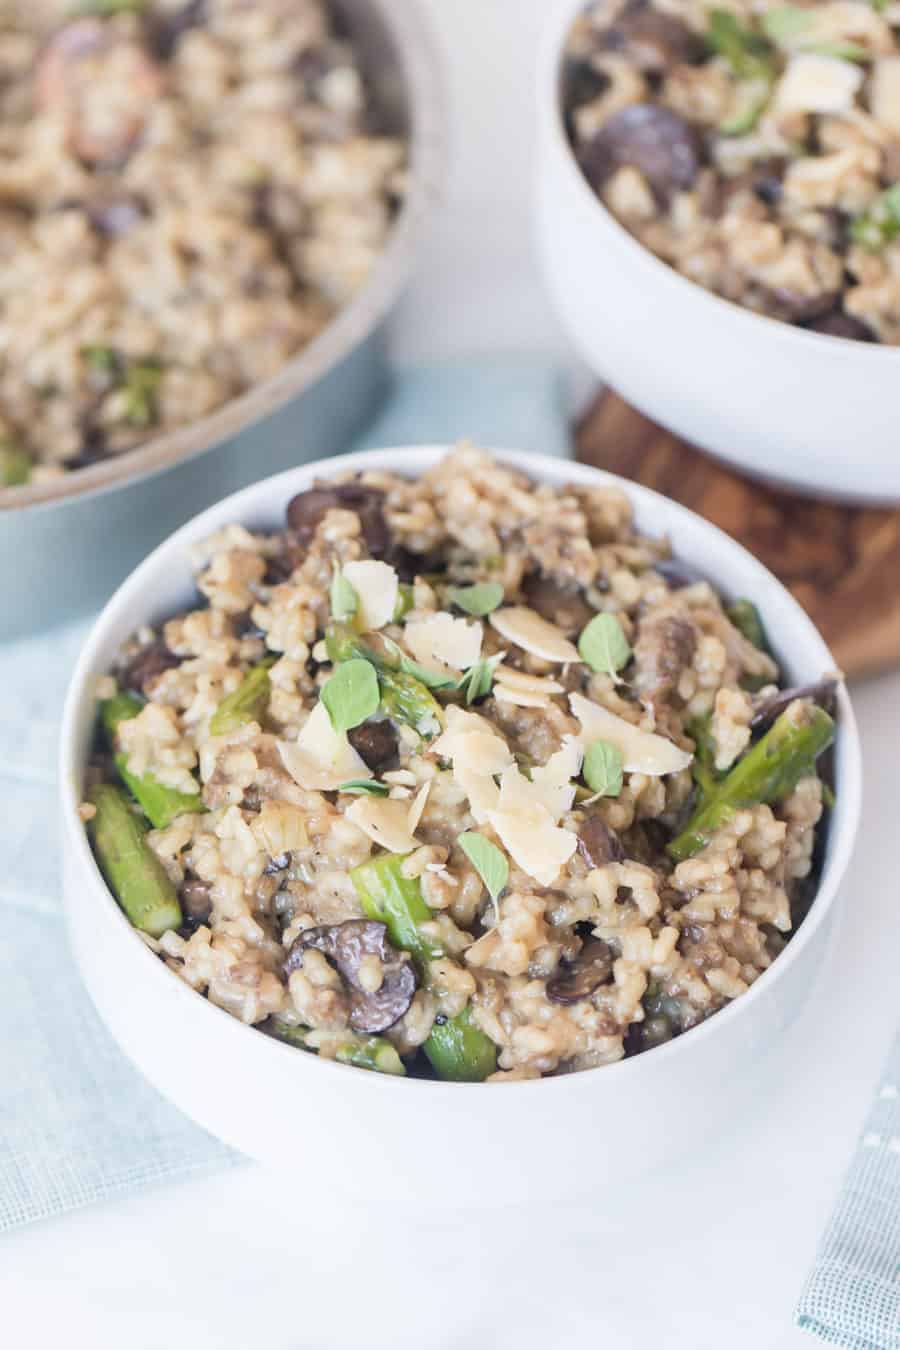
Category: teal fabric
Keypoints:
(852, 1297)
(77, 1122)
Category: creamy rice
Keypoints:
(411, 666)
(189, 190)
(754, 146)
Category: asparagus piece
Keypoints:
(397, 901)
(247, 703)
(160, 804)
(132, 870)
(703, 767)
(746, 619)
(458, 1051)
(403, 697)
(15, 465)
(371, 1052)
(768, 772)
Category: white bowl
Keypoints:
(452, 1143)
(814, 412)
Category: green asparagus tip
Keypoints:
(132, 870)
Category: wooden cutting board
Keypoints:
(841, 562)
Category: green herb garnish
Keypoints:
(479, 599)
(602, 770)
(365, 787)
(404, 601)
(344, 600)
(603, 645)
(795, 29)
(351, 694)
(488, 861)
(875, 228)
(478, 680)
(141, 388)
(747, 52)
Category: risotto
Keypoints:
(754, 146)
(461, 776)
(189, 190)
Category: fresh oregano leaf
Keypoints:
(602, 770)
(479, 599)
(351, 695)
(488, 861)
(344, 600)
(365, 787)
(603, 645)
(478, 680)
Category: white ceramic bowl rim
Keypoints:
(251, 503)
(551, 75)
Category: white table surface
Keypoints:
(710, 1255)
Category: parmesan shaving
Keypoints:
(642, 751)
(526, 629)
(321, 758)
(442, 643)
(376, 585)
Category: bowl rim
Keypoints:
(255, 501)
(550, 75)
(346, 330)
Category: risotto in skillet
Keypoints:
(460, 776)
(189, 191)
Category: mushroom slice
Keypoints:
(441, 643)
(321, 758)
(376, 585)
(525, 627)
(821, 692)
(592, 967)
(346, 946)
(642, 751)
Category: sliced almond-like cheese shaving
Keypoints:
(642, 751)
(472, 744)
(818, 84)
(418, 806)
(538, 846)
(320, 759)
(385, 821)
(440, 642)
(526, 628)
(885, 95)
(376, 587)
(521, 690)
(482, 792)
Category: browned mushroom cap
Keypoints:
(579, 978)
(800, 307)
(678, 573)
(566, 608)
(375, 742)
(196, 901)
(345, 945)
(821, 692)
(664, 648)
(655, 140)
(652, 39)
(598, 844)
(83, 70)
(839, 324)
(307, 509)
(149, 663)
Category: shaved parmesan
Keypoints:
(885, 96)
(481, 790)
(418, 806)
(376, 587)
(385, 821)
(538, 846)
(642, 751)
(818, 84)
(321, 758)
(440, 642)
(471, 744)
(526, 628)
(523, 691)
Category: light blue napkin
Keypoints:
(77, 1122)
(852, 1297)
